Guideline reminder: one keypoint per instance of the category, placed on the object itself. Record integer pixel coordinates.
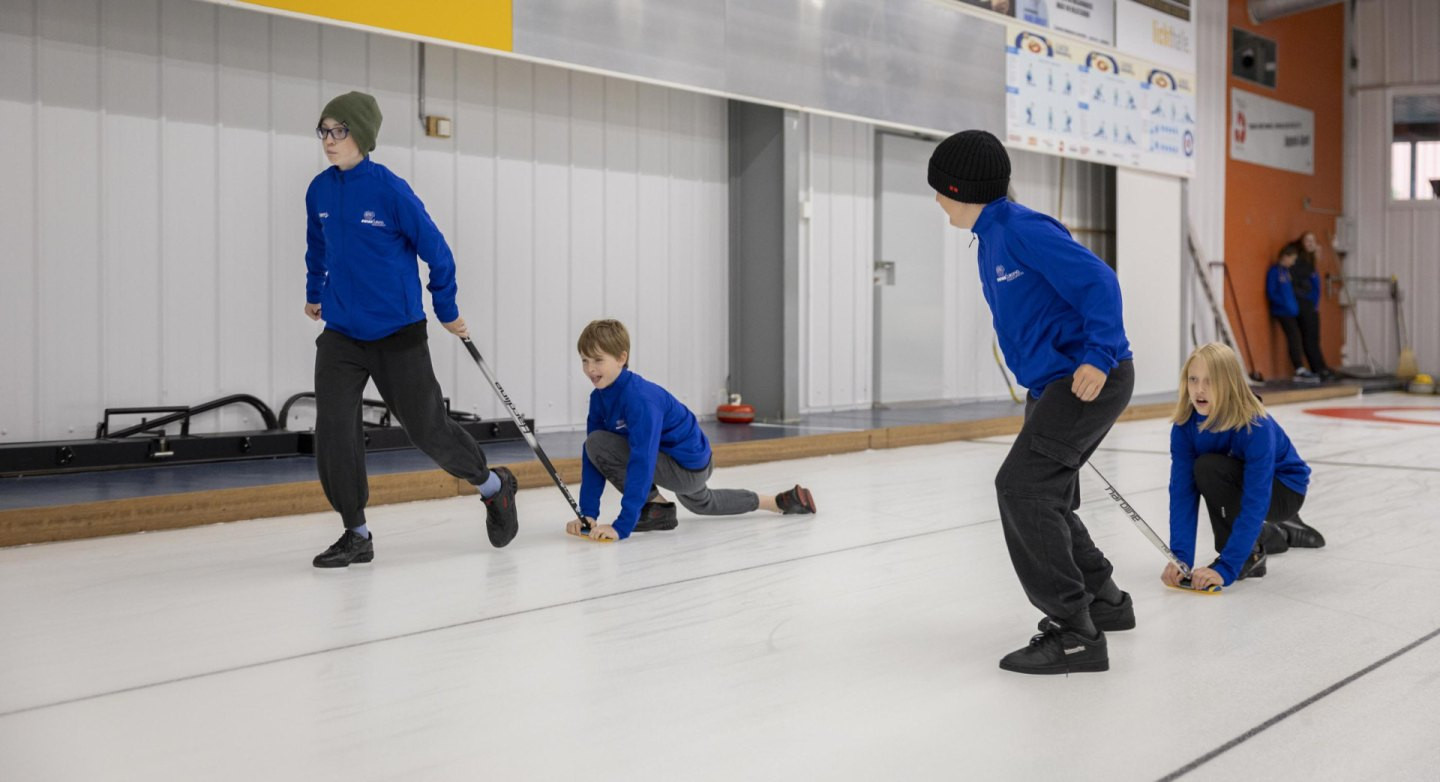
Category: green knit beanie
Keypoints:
(360, 113)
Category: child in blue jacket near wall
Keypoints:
(1225, 448)
(1281, 290)
(366, 227)
(1057, 312)
(638, 438)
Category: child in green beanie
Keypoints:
(366, 227)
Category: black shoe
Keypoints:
(1057, 649)
(1111, 617)
(656, 517)
(501, 521)
(350, 549)
(1302, 535)
(1273, 538)
(1254, 567)
(797, 500)
(1107, 617)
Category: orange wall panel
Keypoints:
(1264, 207)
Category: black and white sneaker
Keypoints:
(657, 517)
(1301, 535)
(350, 549)
(501, 520)
(797, 500)
(1058, 649)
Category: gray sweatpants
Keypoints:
(610, 453)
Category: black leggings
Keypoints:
(1221, 480)
(1303, 330)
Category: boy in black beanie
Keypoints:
(1056, 310)
(365, 229)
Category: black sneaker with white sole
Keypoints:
(501, 520)
(657, 517)
(350, 549)
(1059, 649)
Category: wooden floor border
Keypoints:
(175, 511)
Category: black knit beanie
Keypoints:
(360, 113)
(970, 166)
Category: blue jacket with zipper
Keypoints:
(365, 228)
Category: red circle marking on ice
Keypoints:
(1384, 414)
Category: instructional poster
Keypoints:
(1064, 97)
(1090, 20)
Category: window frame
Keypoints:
(1391, 201)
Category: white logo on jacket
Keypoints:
(369, 219)
(1001, 276)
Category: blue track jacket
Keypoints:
(1280, 290)
(366, 226)
(1267, 454)
(654, 422)
(1055, 305)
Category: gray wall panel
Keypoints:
(679, 41)
(946, 69)
(916, 63)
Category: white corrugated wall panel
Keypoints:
(69, 327)
(838, 256)
(19, 397)
(837, 262)
(244, 238)
(156, 230)
(1397, 44)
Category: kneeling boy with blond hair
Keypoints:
(639, 437)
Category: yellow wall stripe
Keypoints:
(484, 23)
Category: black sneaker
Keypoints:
(1273, 538)
(1058, 649)
(1254, 567)
(350, 549)
(501, 521)
(797, 500)
(657, 517)
(1112, 617)
(1301, 535)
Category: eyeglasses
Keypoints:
(339, 132)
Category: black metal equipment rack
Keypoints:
(150, 442)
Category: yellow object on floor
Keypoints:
(1214, 590)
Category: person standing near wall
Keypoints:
(1056, 309)
(1280, 291)
(1306, 281)
(366, 227)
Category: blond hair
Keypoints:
(604, 336)
(1232, 403)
